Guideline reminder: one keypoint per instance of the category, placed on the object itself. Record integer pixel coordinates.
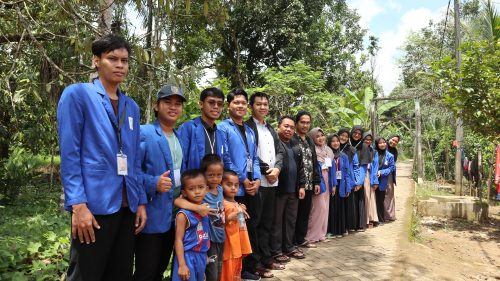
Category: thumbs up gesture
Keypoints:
(164, 182)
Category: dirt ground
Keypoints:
(452, 250)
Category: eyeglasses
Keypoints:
(213, 103)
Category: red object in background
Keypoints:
(497, 172)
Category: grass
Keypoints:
(428, 189)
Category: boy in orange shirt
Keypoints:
(237, 244)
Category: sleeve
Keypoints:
(332, 177)
(138, 161)
(256, 164)
(347, 171)
(390, 167)
(356, 171)
(70, 121)
(280, 153)
(149, 181)
(316, 176)
(300, 169)
(374, 170)
(362, 172)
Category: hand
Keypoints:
(183, 272)
(347, 195)
(272, 175)
(357, 187)
(378, 174)
(256, 185)
(247, 184)
(164, 182)
(316, 189)
(302, 193)
(243, 207)
(334, 190)
(140, 218)
(83, 223)
(375, 186)
(205, 210)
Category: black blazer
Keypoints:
(278, 149)
(316, 180)
(284, 179)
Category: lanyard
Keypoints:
(119, 128)
(212, 144)
(337, 163)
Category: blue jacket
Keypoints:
(156, 159)
(192, 137)
(87, 127)
(322, 184)
(354, 173)
(373, 170)
(343, 185)
(235, 153)
(386, 170)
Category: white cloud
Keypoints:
(391, 40)
(367, 9)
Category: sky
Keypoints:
(391, 21)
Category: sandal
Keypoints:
(275, 266)
(281, 258)
(264, 273)
(296, 254)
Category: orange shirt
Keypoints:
(237, 244)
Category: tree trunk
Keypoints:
(106, 17)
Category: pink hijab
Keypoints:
(321, 151)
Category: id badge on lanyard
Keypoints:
(122, 167)
(249, 165)
(339, 175)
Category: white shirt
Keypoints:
(265, 149)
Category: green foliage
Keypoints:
(473, 92)
(34, 237)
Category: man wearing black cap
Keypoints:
(162, 159)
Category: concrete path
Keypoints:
(369, 255)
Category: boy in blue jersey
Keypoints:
(192, 240)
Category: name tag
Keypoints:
(328, 162)
(386, 163)
(339, 175)
(121, 167)
(131, 123)
(249, 165)
(177, 177)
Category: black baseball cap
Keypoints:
(171, 90)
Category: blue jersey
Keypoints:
(196, 237)
(217, 222)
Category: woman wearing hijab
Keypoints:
(389, 202)
(318, 217)
(355, 181)
(385, 168)
(369, 179)
(341, 183)
(363, 154)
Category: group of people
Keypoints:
(232, 201)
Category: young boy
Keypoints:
(191, 231)
(212, 167)
(237, 244)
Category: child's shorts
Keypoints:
(196, 262)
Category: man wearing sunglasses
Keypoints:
(200, 135)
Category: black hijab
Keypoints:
(354, 143)
(367, 147)
(363, 151)
(381, 153)
(329, 139)
(393, 150)
(346, 147)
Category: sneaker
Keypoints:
(247, 276)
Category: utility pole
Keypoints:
(459, 133)
(418, 140)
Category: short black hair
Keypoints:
(236, 92)
(210, 159)
(257, 95)
(302, 113)
(191, 174)
(108, 43)
(211, 92)
(285, 117)
(228, 172)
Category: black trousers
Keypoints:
(283, 228)
(303, 217)
(254, 208)
(379, 199)
(152, 255)
(265, 227)
(111, 257)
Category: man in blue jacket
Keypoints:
(98, 128)
(200, 135)
(240, 153)
(162, 162)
